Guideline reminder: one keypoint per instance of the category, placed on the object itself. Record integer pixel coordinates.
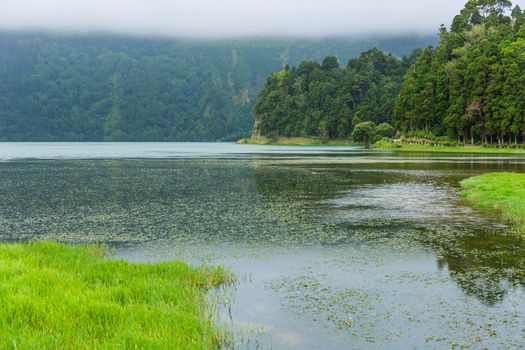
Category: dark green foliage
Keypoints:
(471, 87)
(95, 88)
(385, 130)
(330, 62)
(325, 100)
(364, 132)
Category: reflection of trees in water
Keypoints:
(134, 201)
(238, 202)
(485, 265)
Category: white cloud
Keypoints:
(230, 17)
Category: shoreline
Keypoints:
(382, 145)
(446, 149)
(296, 141)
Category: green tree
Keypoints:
(103, 87)
(315, 99)
(330, 62)
(470, 86)
(364, 132)
(385, 130)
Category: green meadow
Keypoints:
(504, 192)
(56, 296)
(445, 149)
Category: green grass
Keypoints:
(313, 141)
(54, 296)
(296, 141)
(445, 149)
(501, 191)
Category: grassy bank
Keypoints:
(451, 149)
(502, 191)
(295, 141)
(55, 296)
(386, 145)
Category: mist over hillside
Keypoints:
(118, 88)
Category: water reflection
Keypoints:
(342, 246)
(486, 266)
(405, 207)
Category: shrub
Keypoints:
(385, 130)
(364, 132)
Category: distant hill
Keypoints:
(115, 88)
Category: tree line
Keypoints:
(470, 88)
(327, 100)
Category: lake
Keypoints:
(333, 247)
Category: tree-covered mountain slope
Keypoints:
(103, 87)
(471, 87)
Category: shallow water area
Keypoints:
(334, 247)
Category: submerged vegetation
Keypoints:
(501, 191)
(55, 296)
(337, 238)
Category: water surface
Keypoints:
(334, 248)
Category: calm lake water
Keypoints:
(334, 247)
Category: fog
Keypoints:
(230, 18)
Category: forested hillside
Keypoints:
(100, 87)
(327, 100)
(471, 87)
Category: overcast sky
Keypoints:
(231, 17)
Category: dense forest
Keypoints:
(471, 87)
(116, 88)
(327, 100)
